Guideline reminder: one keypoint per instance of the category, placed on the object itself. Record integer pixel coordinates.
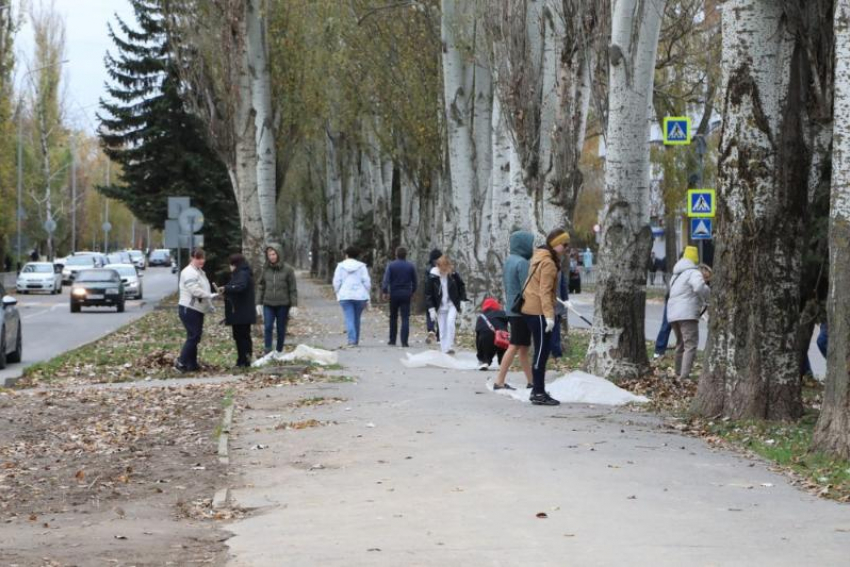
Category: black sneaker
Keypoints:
(506, 386)
(544, 399)
(529, 386)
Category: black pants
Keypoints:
(542, 349)
(244, 348)
(485, 346)
(400, 305)
(193, 321)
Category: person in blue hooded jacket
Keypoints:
(514, 275)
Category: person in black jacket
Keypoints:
(431, 324)
(444, 294)
(239, 310)
(399, 284)
(492, 319)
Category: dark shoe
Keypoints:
(544, 399)
(405, 345)
(529, 386)
(505, 386)
(180, 367)
(391, 343)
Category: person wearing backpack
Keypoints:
(687, 296)
(491, 333)
(538, 308)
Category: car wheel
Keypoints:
(140, 294)
(18, 354)
(121, 307)
(2, 348)
(75, 307)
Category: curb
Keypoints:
(221, 497)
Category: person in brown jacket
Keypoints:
(538, 308)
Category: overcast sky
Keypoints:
(86, 44)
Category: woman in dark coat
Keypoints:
(239, 310)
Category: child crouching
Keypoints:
(491, 333)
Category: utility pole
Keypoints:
(19, 213)
(73, 194)
(106, 225)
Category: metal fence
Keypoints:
(656, 281)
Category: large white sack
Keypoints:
(580, 388)
(301, 353)
(436, 359)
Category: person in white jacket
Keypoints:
(688, 294)
(352, 286)
(195, 302)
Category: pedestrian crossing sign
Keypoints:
(677, 131)
(701, 229)
(701, 203)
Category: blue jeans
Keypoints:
(399, 305)
(193, 322)
(352, 309)
(663, 334)
(277, 314)
(823, 339)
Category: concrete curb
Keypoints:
(221, 497)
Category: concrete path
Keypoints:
(427, 467)
(49, 327)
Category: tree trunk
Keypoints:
(618, 347)
(752, 367)
(261, 100)
(833, 428)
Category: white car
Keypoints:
(138, 258)
(131, 277)
(77, 262)
(40, 276)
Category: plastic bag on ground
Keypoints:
(436, 359)
(580, 388)
(301, 353)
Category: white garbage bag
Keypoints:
(301, 353)
(580, 388)
(436, 359)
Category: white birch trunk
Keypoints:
(261, 100)
(833, 428)
(617, 348)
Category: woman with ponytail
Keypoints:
(538, 308)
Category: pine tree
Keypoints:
(160, 146)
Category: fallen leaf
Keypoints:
(542, 515)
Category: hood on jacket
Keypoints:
(434, 255)
(435, 271)
(682, 265)
(351, 265)
(522, 244)
(277, 248)
(490, 304)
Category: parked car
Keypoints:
(130, 277)
(11, 336)
(77, 262)
(160, 257)
(40, 276)
(97, 287)
(119, 258)
(138, 258)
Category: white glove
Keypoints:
(566, 303)
(293, 312)
(259, 310)
(433, 313)
(550, 324)
(213, 295)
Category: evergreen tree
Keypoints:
(159, 145)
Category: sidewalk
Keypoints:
(427, 467)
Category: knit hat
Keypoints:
(692, 254)
(557, 237)
(490, 304)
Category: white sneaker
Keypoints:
(483, 366)
(655, 356)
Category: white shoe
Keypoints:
(655, 356)
(483, 366)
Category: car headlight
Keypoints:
(78, 292)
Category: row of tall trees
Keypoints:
(450, 124)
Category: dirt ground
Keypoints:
(111, 476)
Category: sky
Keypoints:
(87, 41)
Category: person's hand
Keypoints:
(550, 324)
(433, 313)
(214, 295)
(293, 312)
(564, 302)
(216, 288)
(259, 310)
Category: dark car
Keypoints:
(97, 287)
(160, 257)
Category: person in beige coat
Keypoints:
(538, 309)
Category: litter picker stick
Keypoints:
(569, 305)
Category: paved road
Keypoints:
(427, 467)
(654, 313)
(50, 329)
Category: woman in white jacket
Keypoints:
(195, 302)
(352, 286)
(688, 294)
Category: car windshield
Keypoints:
(124, 270)
(158, 254)
(38, 269)
(97, 276)
(80, 261)
(114, 259)
(136, 255)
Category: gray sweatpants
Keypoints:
(687, 339)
